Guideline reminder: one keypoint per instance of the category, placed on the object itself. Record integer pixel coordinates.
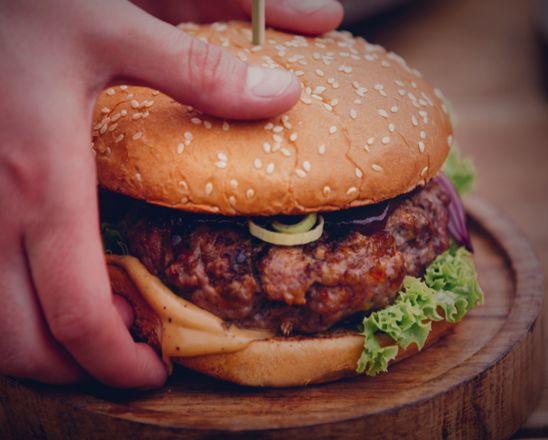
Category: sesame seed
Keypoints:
(376, 168)
(138, 177)
(336, 85)
(226, 126)
(180, 148)
(250, 193)
(208, 188)
(328, 107)
(424, 171)
(257, 164)
(332, 129)
(353, 113)
(111, 92)
(300, 173)
(378, 87)
(385, 140)
(119, 138)
(371, 141)
(423, 134)
(450, 140)
(105, 110)
(402, 92)
(222, 157)
(276, 147)
(414, 120)
(359, 173)
(267, 147)
(196, 121)
(220, 164)
(352, 190)
(183, 184)
(293, 137)
(321, 149)
(421, 146)
(270, 168)
(306, 165)
(391, 128)
(394, 109)
(137, 136)
(123, 87)
(320, 73)
(123, 112)
(104, 129)
(306, 100)
(113, 127)
(269, 126)
(208, 125)
(233, 183)
(286, 152)
(382, 113)
(385, 63)
(232, 200)
(326, 190)
(278, 129)
(148, 103)
(134, 103)
(277, 138)
(136, 116)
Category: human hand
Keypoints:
(58, 319)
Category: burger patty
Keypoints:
(300, 289)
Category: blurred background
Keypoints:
(489, 57)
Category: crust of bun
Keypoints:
(276, 362)
(367, 128)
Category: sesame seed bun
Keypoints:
(276, 362)
(367, 128)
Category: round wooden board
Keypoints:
(481, 381)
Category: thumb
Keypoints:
(199, 74)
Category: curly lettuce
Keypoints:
(448, 291)
(460, 170)
(114, 238)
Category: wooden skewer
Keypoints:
(258, 22)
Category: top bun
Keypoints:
(367, 128)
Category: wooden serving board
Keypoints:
(481, 381)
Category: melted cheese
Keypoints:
(187, 330)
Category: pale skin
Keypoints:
(59, 322)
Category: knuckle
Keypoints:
(205, 63)
(73, 325)
(24, 173)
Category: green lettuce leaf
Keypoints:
(449, 290)
(114, 238)
(460, 170)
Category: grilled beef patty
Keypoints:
(218, 266)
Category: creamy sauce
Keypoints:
(187, 330)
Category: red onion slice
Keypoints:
(457, 216)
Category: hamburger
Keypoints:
(319, 244)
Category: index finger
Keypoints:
(69, 271)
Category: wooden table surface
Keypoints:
(484, 55)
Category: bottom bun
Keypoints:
(275, 362)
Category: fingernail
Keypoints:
(307, 6)
(267, 83)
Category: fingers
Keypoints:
(311, 17)
(199, 74)
(27, 348)
(69, 272)
(124, 310)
